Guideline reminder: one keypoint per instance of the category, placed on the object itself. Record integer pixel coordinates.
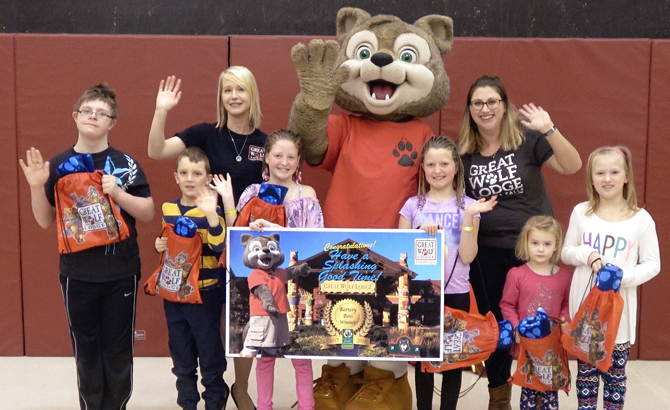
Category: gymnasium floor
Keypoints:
(32, 383)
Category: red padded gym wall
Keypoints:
(52, 72)
(11, 321)
(269, 58)
(654, 321)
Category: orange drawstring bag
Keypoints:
(85, 216)
(257, 208)
(543, 363)
(591, 334)
(469, 338)
(177, 275)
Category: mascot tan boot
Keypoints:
(380, 390)
(500, 397)
(334, 388)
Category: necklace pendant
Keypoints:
(238, 158)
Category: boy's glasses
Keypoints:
(100, 115)
(492, 103)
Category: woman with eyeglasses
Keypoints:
(234, 147)
(503, 149)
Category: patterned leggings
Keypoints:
(529, 399)
(614, 382)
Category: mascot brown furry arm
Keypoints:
(386, 73)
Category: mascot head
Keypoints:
(262, 252)
(396, 70)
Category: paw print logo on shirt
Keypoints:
(406, 153)
(491, 179)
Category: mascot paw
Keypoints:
(303, 269)
(319, 78)
(270, 308)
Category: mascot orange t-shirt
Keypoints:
(275, 281)
(388, 154)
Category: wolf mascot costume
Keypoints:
(386, 73)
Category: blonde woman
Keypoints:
(234, 146)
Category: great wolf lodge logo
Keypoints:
(256, 153)
(92, 218)
(548, 370)
(425, 251)
(498, 177)
(458, 341)
(91, 212)
(590, 335)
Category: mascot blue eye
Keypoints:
(408, 56)
(364, 52)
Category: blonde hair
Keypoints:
(242, 76)
(442, 142)
(511, 133)
(628, 188)
(542, 223)
(279, 135)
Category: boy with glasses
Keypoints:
(99, 283)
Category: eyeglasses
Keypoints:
(492, 103)
(100, 115)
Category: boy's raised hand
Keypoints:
(35, 169)
(168, 93)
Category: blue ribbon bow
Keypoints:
(535, 327)
(184, 226)
(74, 164)
(272, 194)
(609, 278)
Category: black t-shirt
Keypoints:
(516, 177)
(115, 261)
(222, 147)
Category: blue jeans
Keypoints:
(195, 333)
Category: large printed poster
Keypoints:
(349, 294)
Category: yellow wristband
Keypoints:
(231, 213)
(468, 228)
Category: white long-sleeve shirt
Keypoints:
(631, 245)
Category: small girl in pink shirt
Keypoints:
(537, 283)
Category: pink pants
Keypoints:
(265, 376)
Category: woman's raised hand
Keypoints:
(535, 118)
(168, 93)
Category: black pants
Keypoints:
(101, 317)
(488, 273)
(451, 379)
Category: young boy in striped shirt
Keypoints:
(194, 330)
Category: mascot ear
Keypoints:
(245, 238)
(347, 19)
(441, 28)
(275, 237)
